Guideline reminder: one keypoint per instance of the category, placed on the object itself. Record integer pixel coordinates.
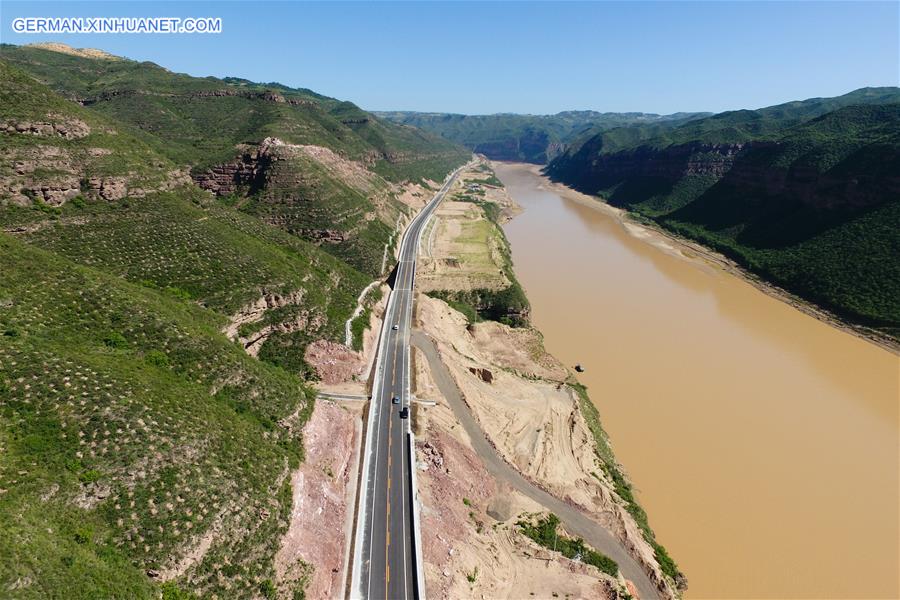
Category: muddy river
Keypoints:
(762, 442)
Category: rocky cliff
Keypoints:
(54, 151)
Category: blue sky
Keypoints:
(528, 57)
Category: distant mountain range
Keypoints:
(527, 138)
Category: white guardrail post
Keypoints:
(417, 527)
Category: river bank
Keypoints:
(691, 248)
(749, 427)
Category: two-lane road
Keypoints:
(384, 563)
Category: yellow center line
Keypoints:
(387, 520)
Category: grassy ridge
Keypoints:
(199, 127)
(728, 127)
(302, 198)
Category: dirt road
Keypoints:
(573, 519)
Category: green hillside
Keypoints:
(55, 150)
(210, 127)
(200, 120)
(207, 253)
(805, 194)
(180, 240)
(132, 431)
(728, 127)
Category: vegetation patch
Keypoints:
(508, 305)
(545, 531)
(360, 323)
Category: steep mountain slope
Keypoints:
(223, 130)
(790, 191)
(181, 240)
(527, 138)
(54, 151)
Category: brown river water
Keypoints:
(763, 443)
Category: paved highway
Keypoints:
(384, 563)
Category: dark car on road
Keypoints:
(404, 412)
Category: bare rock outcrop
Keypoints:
(265, 96)
(109, 188)
(483, 374)
(70, 128)
(254, 312)
(321, 489)
(247, 170)
(333, 362)
(83, 52)
(58, 183)
(51, 173)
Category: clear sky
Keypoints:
(528, 57)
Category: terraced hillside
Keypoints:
(804, 194)
(153, 333)
(139, 444)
